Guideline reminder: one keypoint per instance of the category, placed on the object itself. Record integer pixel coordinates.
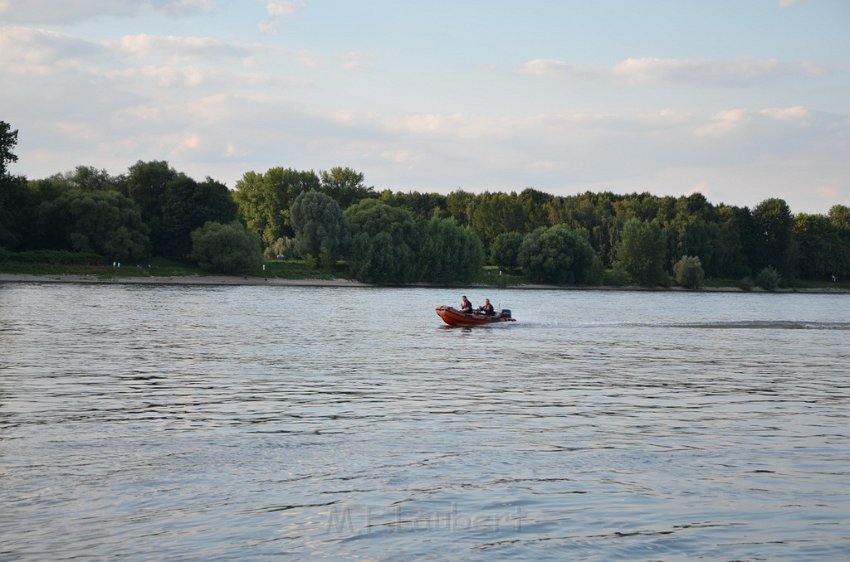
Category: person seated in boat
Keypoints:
(465, 305)
(487, 309)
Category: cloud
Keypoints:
(789, 3)
(181, 48)
(649, 70)
(278, 10)
(72, 11)
(356, 61)
(33, 51)
(548, 67)
(724, 123)
(767, 120)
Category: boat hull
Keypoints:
(454, 317)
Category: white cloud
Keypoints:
(356, 61)
(33, 51)
(547, 67)
(724, 123)
(70, 11)
(797, 112)
(650, 70)
(278, 10)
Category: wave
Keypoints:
(708, 325)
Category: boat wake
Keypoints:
(714, 325)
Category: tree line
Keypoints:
(394, 237)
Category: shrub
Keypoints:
(53, 257)
(616, 278)
(505, 249)
(747, 283)
(768, 278)
(226, 248)
(688, 272)
(559, 255)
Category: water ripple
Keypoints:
(259, 422)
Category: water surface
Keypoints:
(257, 422)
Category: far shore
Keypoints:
(236, 280)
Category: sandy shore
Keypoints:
(242, 280)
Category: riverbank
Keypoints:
(236, 280)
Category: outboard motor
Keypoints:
(505, 313)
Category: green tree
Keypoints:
(560, 255)
(492, 214)
(594, 212)
(189, 205)
(345, 186)
(505, 249)
(264, 200)
(839, 217)
(89, 178)
(820, 247)
(15, 200)
(8, 141)
(773, 241)
(423, 205)
(642, 252)
(459, 204)
(450, 253)
(147, 184)
(385, 242)
(103, 222)
(688, 272)
(321, 230)
(226, 248)
(16, 212)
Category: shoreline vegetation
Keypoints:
(245, 280)
(331, 228)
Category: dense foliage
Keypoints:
(559, 255)
(641, 252)
(385, 243)
(401, 237)
(226, 248)
(504, 250)
(103, 222)
(320, 228)
(688, 272)
(450, 253)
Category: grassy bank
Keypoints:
(55, 264)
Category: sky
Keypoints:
(740, 100)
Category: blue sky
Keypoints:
(739, 100)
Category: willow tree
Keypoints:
(559, 255)
(320, 228)
(385, 243)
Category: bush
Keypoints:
(688, 272)
(616, 278)
(747, 283)
(768, 278)
(505, 249)
(53, 257)
(450, 253)
(559, 255)
(226, 248)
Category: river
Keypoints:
(220, 423)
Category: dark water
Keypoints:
(259, 422)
